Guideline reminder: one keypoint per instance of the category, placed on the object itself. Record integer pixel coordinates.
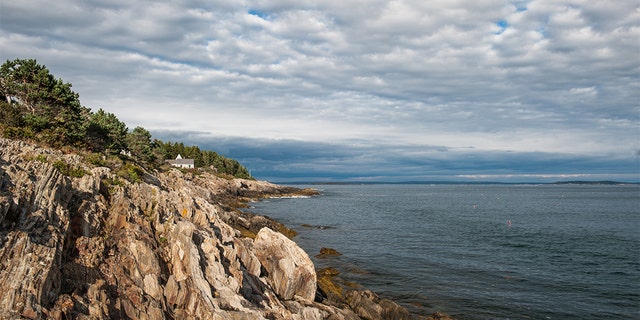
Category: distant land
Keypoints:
(603, 182)
(594, 182)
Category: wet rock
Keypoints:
(439, 316)
(327, 253)
(330, 291)
(306, 225)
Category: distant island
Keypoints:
(594, 182)
(603, 182)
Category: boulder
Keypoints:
(290, 272)
(368, 305)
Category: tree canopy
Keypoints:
(49, 107)
(203, 158)
(37, 106)
(106, 132)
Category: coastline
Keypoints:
(336, 287)
(451, 248)
(170, 244)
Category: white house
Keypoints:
(182, 163)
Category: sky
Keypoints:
(359, 90)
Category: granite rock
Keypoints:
(289, 270)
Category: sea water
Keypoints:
(480, 251)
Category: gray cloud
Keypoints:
(362, 160)
(501, 78)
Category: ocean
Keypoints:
(479, 251)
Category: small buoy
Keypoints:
(509, 223)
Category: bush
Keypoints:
(95, 159)
(131, 172)
(68, 170)
(61, 166)
(109, 186)
(18, 133)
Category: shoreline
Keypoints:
(170, 244)
(336, 279)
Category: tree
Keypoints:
(11, 115)
(139, 143)
(105, 132)
(49, 105)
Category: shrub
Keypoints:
(131, 172)
(42, 158)
(68, 170)
(95, 159)
(18, 133)
(109, 185)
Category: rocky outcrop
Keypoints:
(289, 270)
(171, 247)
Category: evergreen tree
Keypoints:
(106, 132)
(139, 143)
(48, 105)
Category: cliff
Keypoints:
(96, 246)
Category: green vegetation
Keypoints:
(202, 158)
(69, 170)
(37, 107)
(44, 107)
(131, 172)
(105, 132)
(42, 158)
(111, 185)
(95, 159)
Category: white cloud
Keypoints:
(522, 76)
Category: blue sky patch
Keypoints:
(503, 25)
(258, 13)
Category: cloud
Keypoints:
(362, 160)
(535, 77)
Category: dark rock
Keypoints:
(328, 252)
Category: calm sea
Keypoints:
(480, 251)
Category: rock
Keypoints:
(328, 252)
(35, 220)
(289, 270)
(168, 247)
(330, 291)
(439, 316)
(368, 305)
(364, 303)
(392, 310)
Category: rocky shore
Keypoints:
(170, 246)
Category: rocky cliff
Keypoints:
(171, 246)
